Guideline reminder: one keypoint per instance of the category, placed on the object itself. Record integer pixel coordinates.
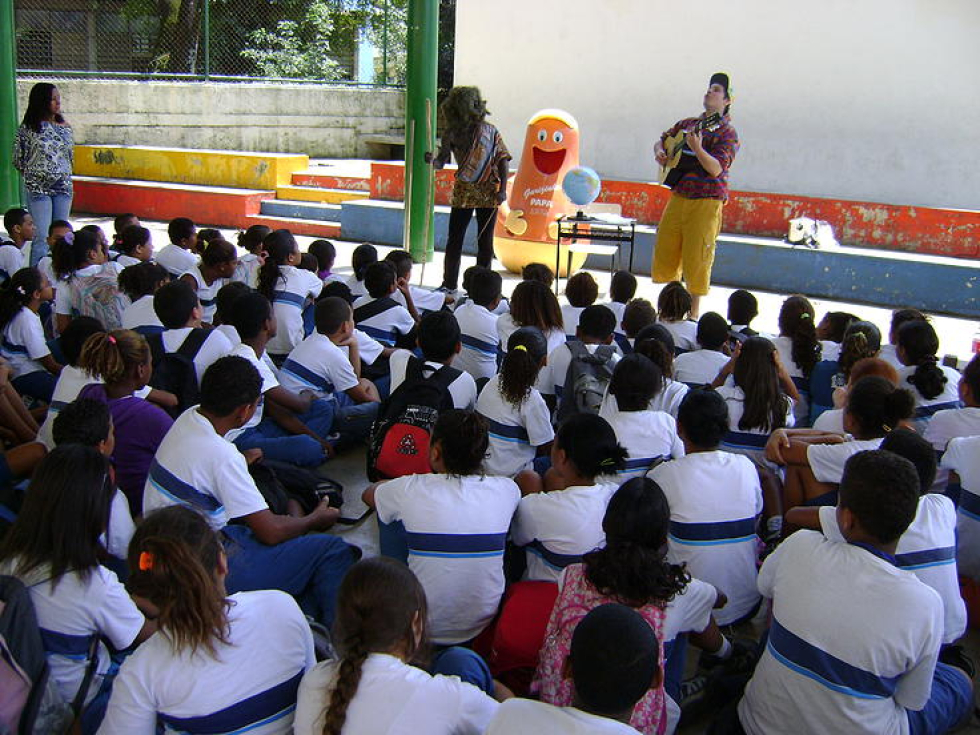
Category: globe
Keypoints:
(581, 185)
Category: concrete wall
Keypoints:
(873, 100)
(320, 121)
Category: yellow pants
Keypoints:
(686, 241)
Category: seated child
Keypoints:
(140, 282)
(622, 289)
(34, 369)
(832, 420)
(532, 305)
(950, 423)
(197, 467)
(289, 288)
(743, 307)
(517, 416)
(253, 647)
(889, 352)
(800, 349)
(650, 437)
(120, 223)
(440, 342)
(378, 315)
(502, 308)
(478, 323)
(814, 461)
(715, 499)
(377, 685)
(78, 259)
(247, 270)
(121, 359)
(58, 229)
(320, 365)
(833, 325)
(325, 254)
(217, 266)
(288, 426)
(674, 304)
(17, 424)
(135, 245)
(637, 315)
(855, 663)
(20, 230)
(538, 272)
(581, 290)
(560, 517)
(423, 299)
(861, 340)
(611, 669)
(456, 522)
(54, 548)
(224, 311)
(656, 343)
(363, 256)
(934, 386)
(594, 337)
(701, 366)
(180, 254)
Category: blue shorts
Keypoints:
(950, 701)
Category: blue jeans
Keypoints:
(951, 700)
(39, 384)
(45, 209)
(353, 420)
(301, 450)
(466, 664)
(310, 568)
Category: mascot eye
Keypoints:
(542, 136)
(558, 137)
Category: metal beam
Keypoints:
(9, 178)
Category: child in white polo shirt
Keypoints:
(517, 416)
(656, 343)
(381, 317)
(854, 639)
(478, 324)
(595, 333)
(581, 290)
(361, 259)
(217, 266)
(180, 255)
(197, 467)
(456, 522)
(962, 461)
(701, 366)
(953, 422)
(424, 299)
(934, 386)
(715, 500)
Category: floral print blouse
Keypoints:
(45, 158)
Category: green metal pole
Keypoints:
(384, 47)
(207, 39)
(9, 178)
(420, 126)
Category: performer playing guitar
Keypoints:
(699, 179)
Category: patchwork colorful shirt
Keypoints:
(45, 158)
(721, 144)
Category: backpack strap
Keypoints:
(445, 376)
(157, 348)
(372, 309)
(193, 343)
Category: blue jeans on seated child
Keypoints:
(466, 664)
(309, 568)
(39, 384)
(949, 703)
(353, 420)
(300, 449)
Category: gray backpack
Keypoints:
(586, 380)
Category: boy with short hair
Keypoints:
(595, 330)
(378, 314)
(423, 298)
(320, 364)
(614, 660)
(478, 324)
(439, 340)
(180, 255)
(701, 366)
(714, 498)
(197, 467)
(638, 314)
(581, 290)
(180, 312)
(743, 307)
(854, 640)
(20, 228)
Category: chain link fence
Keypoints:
(342, 41)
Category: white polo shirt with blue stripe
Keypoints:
(714, 499)
(853, 643)
(318, 365)
(290, 295)
(648, 436)
(962, 456)
(250, 686)
(926, 407)
(206, 294)
(557, 528)
(515, 433)
(478, 333)
(456, 529)
(750, 441)
(388, 326)
(927, 548)
(23, 343)
(196, 467)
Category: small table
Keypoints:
(595, 235)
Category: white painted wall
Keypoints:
(874, 100)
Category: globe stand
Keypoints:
(581, 216)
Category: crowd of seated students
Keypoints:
(612, 487)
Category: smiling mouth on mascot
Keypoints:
(548, 162)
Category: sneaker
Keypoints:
(693, 691)
(745, 653)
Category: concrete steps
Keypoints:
(309, 227)
(312, 177)
(301, 210)
(317, 194)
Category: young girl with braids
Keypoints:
(379, 686)
(800, 350)
(814, 460)
(657, 344)
(860, 340)
(33, 368)
(533, 305)
(54, 548)
(455, 521)
(934, 386)
(289, 288)
(674, 304)
(219, 662)
(560, 515)
(122, 359)
(950, 423)
(632, 569)
(517, 416)
(760, 396)
(247, 270)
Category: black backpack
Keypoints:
(586, 380)
(400, 435)
(174, 372)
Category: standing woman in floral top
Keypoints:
(43, 153)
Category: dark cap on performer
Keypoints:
(720, 77)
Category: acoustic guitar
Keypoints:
(680, 157)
